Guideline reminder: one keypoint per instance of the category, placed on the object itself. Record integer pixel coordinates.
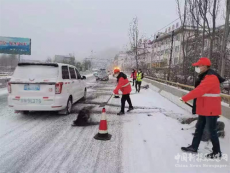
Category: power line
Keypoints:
(165, 27)
(168, 24)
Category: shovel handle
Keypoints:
(188, 104)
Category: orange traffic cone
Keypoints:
(103, 130)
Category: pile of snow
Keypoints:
(3, 91)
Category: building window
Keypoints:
(177, 48)
(175, 60)
(177, 37)
(177, 25)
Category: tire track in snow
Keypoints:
(19, 154)
(47, 144)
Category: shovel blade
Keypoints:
(103, 104)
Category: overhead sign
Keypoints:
(14, 45)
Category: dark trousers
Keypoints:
(212, 127)
(134, 82)
(123, 100)
(138, 86)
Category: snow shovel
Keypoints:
(105, 103)
(186, 103)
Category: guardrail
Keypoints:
(225, 97)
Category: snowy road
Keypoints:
(145, 141)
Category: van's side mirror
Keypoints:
(83, 77)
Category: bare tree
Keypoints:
(49, 59)
(213, 10)
(134, 38)
(204, 13)
(183, 20)
(225, 38)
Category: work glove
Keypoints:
(181, 100)
(116, 96)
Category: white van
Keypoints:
(45, 87)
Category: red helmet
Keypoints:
(116, 71)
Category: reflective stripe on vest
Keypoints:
(211, 95)
(126, 84)
(139, 75)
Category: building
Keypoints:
(144, 53)
(64, 59)
(123, 60)
(162, 45)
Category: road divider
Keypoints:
(172, 92)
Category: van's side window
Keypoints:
(78, 74)
(72, 73)
(65, 72)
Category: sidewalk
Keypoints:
(152, 138)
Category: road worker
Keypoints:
(207, 105)
(139, 78)
(124, 86)
(134, 76)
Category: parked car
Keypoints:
(95, 74)
(102, 75)
(226, 84)
(45, 87)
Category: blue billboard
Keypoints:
(14, 45)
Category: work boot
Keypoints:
(214, 155)
(189, 149)
(130, 108)
(120, 113)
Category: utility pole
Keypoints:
(170, 60)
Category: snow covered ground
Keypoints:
(146, 140)
(3, 91)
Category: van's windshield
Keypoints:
(36, 72)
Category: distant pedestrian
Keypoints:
(125, 87)
(207, 105)
(134, 76)
(139, 78)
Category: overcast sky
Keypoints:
(79, 26)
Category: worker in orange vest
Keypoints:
(207, 105)
(125, 87)
(134, 76)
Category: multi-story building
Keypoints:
(162, 45)
(63, 59)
